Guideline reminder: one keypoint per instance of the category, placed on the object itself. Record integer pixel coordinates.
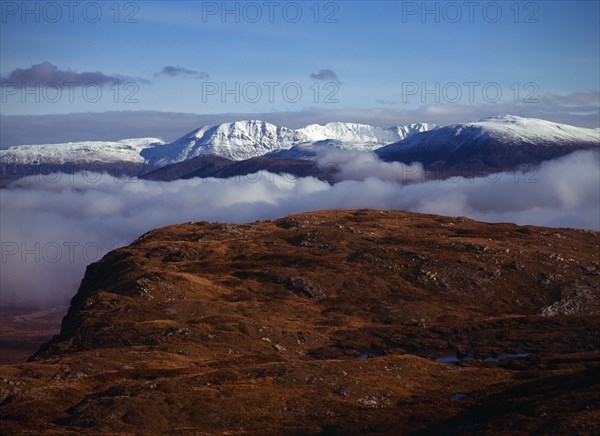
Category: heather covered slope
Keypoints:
(325, 322)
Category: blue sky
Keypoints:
(371, 55)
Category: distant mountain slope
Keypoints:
(502, 142)
(118, 158)
(219, 167)
(125, 150)
(201, 166)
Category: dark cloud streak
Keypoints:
(47, 73)
(171, 71)
(325, 75)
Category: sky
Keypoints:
(382, 62)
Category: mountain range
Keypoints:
(499, 142)
(494, 143)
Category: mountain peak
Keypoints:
(237, 140)
(498, 142)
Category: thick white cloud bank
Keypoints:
(52, 228)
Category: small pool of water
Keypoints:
(458, 396)
(491, 359)
(448, 360)
(453, 359)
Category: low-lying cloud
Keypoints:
(51, 229)
(360, 165)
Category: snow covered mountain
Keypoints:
(125, 150)
(492, 143)
(501, 142)
(247, 139)
(362, 135)
(348, 136)
(236, 141)
(118, 158)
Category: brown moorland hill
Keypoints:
(329, 322)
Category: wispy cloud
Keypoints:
(575, 98)
(47, 73)
(171, 71)
(576, 103)
(325, 75)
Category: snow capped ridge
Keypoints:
(510, 130)
(124, 150)
(503, 141)
(532, 130)
(347, 136)
(410, 129)
(241, 140)
(360, 133)
(238, 140)
(349, 132)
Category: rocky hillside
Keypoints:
(331, 322)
